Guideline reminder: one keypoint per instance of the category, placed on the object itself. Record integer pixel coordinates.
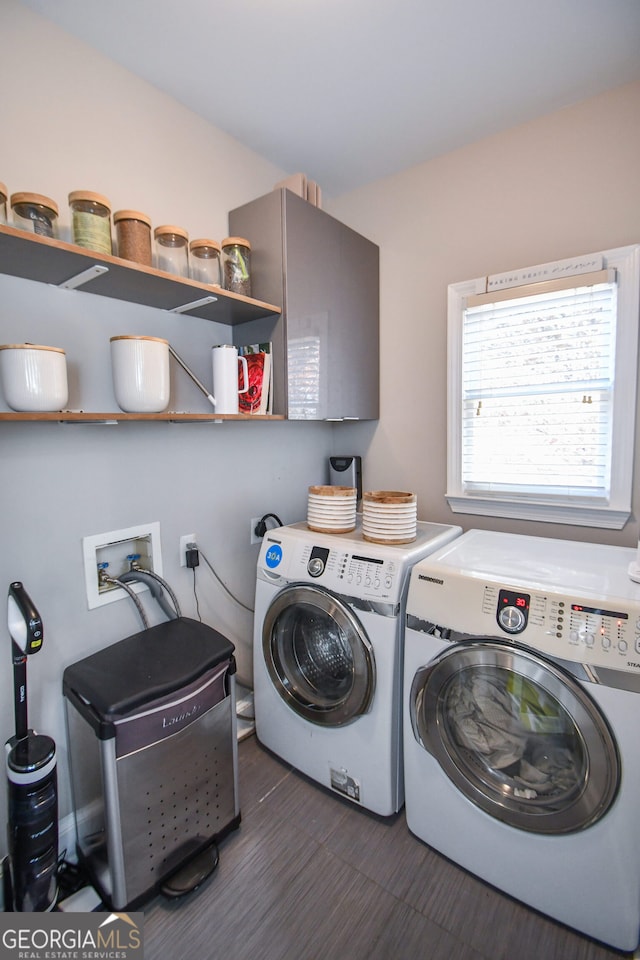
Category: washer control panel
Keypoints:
(345, 572)
(317, 562)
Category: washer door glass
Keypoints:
(517, 735)
(318, 656)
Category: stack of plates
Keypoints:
(389, 516)
(331, 509)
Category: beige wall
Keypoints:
(73, 119)
(563, 185)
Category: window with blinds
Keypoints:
(544, 376)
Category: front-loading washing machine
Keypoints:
(522, 711)
(327, 670)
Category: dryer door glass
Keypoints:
(517, 735)
(318, 655)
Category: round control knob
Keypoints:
(606, 643)
(511, 619)
(623, 646)
(315, 567)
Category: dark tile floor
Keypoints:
(309, 876)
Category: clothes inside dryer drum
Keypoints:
(518, 735)
(513, 726)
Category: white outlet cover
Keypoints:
(184, 540)
(118, 541)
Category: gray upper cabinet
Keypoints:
(325, 277)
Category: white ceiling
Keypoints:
(348, 91)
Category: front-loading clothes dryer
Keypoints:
(329, 617)
(522, 711)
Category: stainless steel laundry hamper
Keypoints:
(153, 754)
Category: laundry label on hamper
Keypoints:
(343, 783)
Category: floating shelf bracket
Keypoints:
(103, 423)
(85, 277)
(186, 420)
(194, 303)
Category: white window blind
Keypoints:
(538, 374)
(542, 391)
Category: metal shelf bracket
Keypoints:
(194, 303)
(85, 277)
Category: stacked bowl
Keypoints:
(331, 509)
(389, 516)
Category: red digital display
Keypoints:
(513, 600)
(510, 598)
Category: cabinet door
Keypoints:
(326, 277)
(332, 308)
(261, 222)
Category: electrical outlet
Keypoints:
(184, 540)
(254, 537)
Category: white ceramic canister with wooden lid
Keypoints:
(34, 377)
(140, 370)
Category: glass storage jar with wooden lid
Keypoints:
(204, 261)
(172, 249)
(90, 220)
(35, 213)
(3, 203)
(236, 265)
(133, 236)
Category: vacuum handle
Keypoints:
(24, 621)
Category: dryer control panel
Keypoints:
(569, 627)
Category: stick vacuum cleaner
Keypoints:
(32, 777)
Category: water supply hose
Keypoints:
(155, 584)
(125, 586)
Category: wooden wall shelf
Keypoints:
(81, 416)
(32, 257)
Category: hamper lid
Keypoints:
(146, 666)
